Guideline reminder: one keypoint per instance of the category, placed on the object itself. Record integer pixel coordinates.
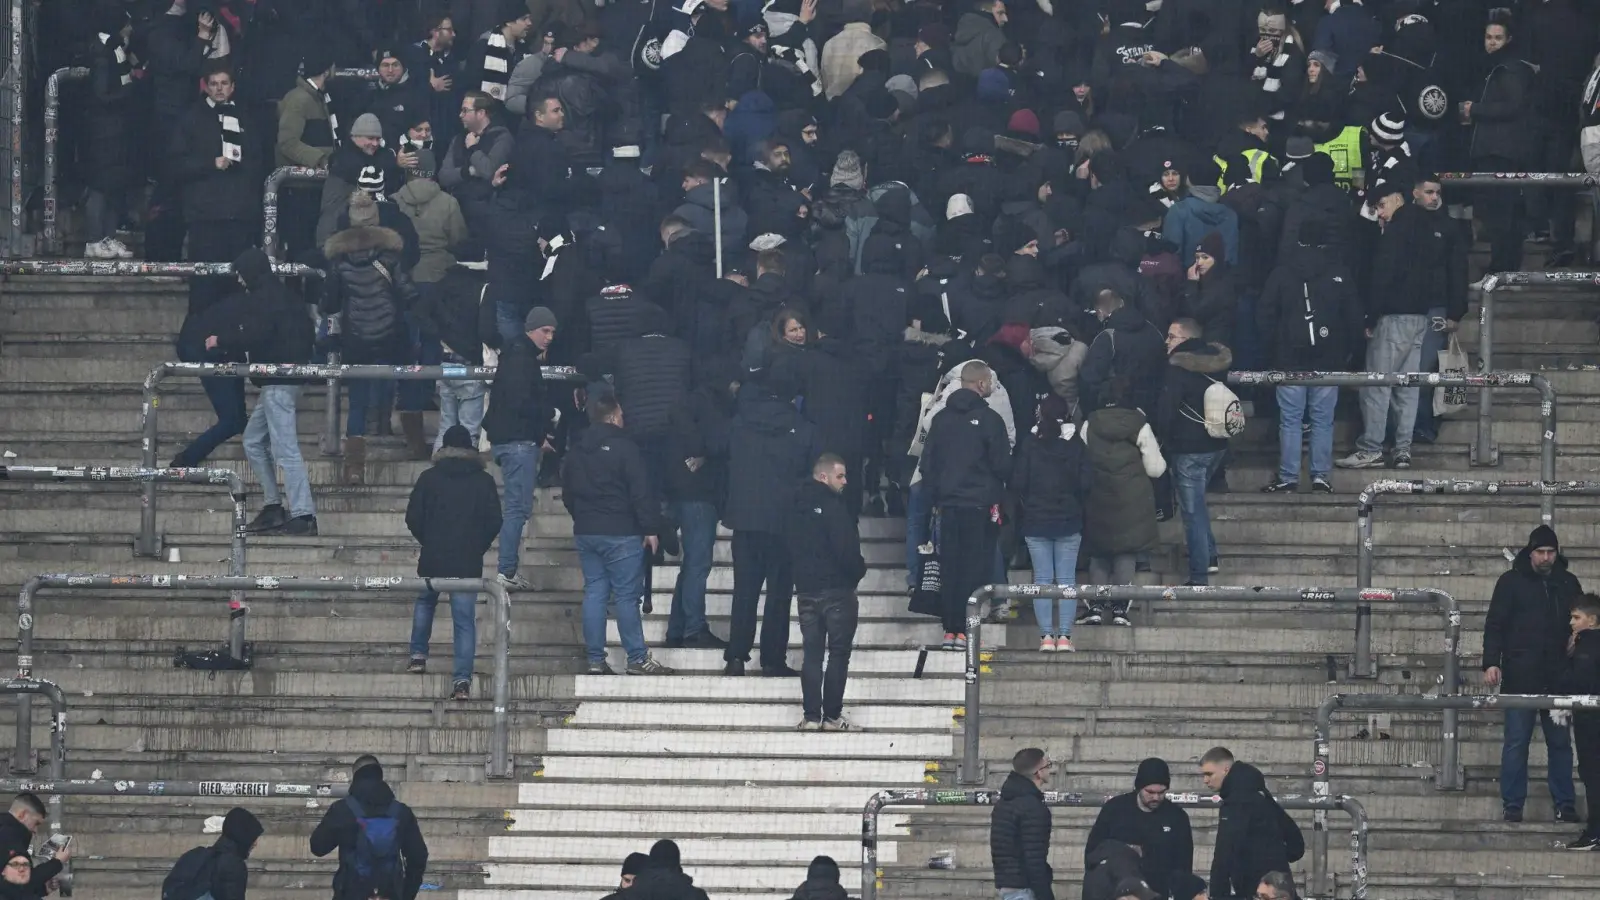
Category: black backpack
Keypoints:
(190, 878)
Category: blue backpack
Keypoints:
(375, 863)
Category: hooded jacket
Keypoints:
(264, 323)
(770, 451)
(1329, 204)
(1254, 835)
(1123, 456)
(1192, 368)
(1050, 482)
(1525, 633)
(824, 542)
(439, 224)
(370, 289)
(1505, 124)
(519, 402)
(967, 458)
(819, 889)
(1107, 865)
(837, 391)
(339, 830)
(605, 487)
(1213, 302)
(1127, 345)
(1309, 314)
(977, 43)
(1196, 216)
(454, 513)
(1059, 356)
(1019, 838)
(698, 209)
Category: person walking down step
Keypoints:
(382, 853)
(218, 871)
(825, 546)
(520, 423)
(454, 513)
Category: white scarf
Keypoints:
(124, 67)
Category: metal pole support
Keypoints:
(52, 134)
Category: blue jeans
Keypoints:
(1293, 404)
(519, 471)
(227, 401)
(1396, 346)
(1514, 759)
(460, 403)
(1016, 894)
(613, 580)
(1190, 473)
(272, 436)
(463, 629)
(697, 521)
(919, 506)
(1055, 561)
(366, 393)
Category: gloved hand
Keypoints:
(1561, 717)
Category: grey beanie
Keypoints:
(847, 171)
(539, 317)
(1328, 58)
(367, 125)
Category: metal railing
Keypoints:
(1362, 665)
(18, 48)
(871, 875)
(1483, 451)
(499, 765)
(22, 760)
(109, 787)
(269, 201)
(52, 137)
(1519, 179)
(106, 267)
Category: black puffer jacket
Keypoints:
(371, 291)
(1019, 838)
(614, 315)
(1127, 345)
(605, 488)
(1318, 340)
(267, 323)
(454, 313)
(651, 374)
(454, 513)
(1050, 481)
(1254, 835)
(824, 543)
(967, 457)
(770, 451)
(1504, 122)
(836, 395)
(1181, 413)
(1526, 631)
(519, 403)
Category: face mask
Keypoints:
(1068, 144)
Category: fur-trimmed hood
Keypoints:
(463, 454)
(1207, 359)
(363, 238)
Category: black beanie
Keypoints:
(1185, 886)
(1318, 169)
(823, 868)
(666, 855)
(1152, 771)
(241, 827)
(635, 863)
(1543, 536)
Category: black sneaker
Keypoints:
(704, 639)
(271, 518)
(1121, 619)
(1211, 567)
(733, 667)
(1281, 487)
(461, 690)
(301, 526)
(783, 671)
(1321, 486)
(1089, 617)
(1567, 814)
(1402, 460)
(1585, 841)
(1513, 814)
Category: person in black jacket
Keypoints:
(770, 449)
(347, 819)
(837, 387)
(454, 314)
(1019, 830)
(822, 881)
(230, 875)
(1180, 425)
(615, 518)
(965, 464)
(697, 474)
(1146, 819)
(1254, 835)
(1109, 868)
(1127, 345)
(520, 422)
(825, 548)
(268, 324)
(1582, 676)
(110, 153)
(17, 828)
(1309, 318)
(1050, 480)
(1524, 645)
(1505, 137)
(454, 513)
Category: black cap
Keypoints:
(1152, 771)
(458, 436)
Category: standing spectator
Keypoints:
(1505, 137)
(1582, 676)
(1254, 835)
(1128, 346)
(615, 519)
(1196, 456)
(1348, 32)
(110, 117)
(965, 464)
(436, 58)
(371, 292)
(841, 52)
(1146, 819)
(376, 834)
(1201, 213)
(979, 36)
(1310, 319)
(1120, 518)
(1443, 279)
(17, 828)
(1211, 291)
(454, 513)
(496, 53)
(1019, 830)
(520, 423)
(452, 315)
(697, 468)
(825, 547)
(478, 152)
(268, 324)
(219, 870)
(770, 449)
(396, 98)
(1524, 652)
(440, 226)
(1050, 480)
(307, 135)
(1562, 44)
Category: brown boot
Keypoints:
(355, 460)
(416, 442)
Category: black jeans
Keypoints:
(827, 624)
(760, 557)
(1500, 207)
(967, 540)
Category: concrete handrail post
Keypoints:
(52, 137)
(870, 874)
(972, 769)
(498, 764)
(269, 201)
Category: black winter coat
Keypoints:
(109, 119)
(519, 402)
(700, 428)
(1526, 631)
(1213, 301)
(616, 314)
(1582, 676)
(1019, 838)
(1128, 345)
(661, 884)
(372, 302)
(1329, 204)
(1164, 834)
(605, 487)
(770, 451)
(454, 513)
(266, 324)
(1107, 865)
(1505, 123)
(773, 204)
(1050, 481)
(174, 56)
(540, 168)
(1420, 263)
(339, 830)
(967, 457)
(1190, 371)
(651, 374)
(824, 542)
(875, 304)
(1322, 339)
(454, 313)
(1254, 835)
(211, 194)
(396, 105)
(836, 398)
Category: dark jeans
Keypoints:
(698, 523)
(1556, 207)
(1514, 759)
(827, 625)
(967, 541)
(759, 557)
(1500, 208)
(227, 400)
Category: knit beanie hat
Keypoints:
(1328, 58)
(1213, 246)
(1186, 886)
(665, 851)
(458, 437)
(363, 209)
(537, 318)
(1318, 169)
(1024, 121)
(316, 61)
(1069, 122)
(847, 171)
(1299, 147)
(636, 862)
(1152, 771)
(934, 35)
(367, 125)
(253, 266)
(1543, 536)
(957, 205)
(1389, 128)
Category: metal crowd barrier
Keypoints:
(18, 76)
(269, 201)
(499, 765)
(79, 267)
(1362, 665)
(108, 787)
(871, 875)
(52, 138)
(1519, 179)
(1494, 283)
(1483, 452)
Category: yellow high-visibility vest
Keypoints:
(1255, 157)
(1345, 150)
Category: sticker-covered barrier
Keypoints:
(110, 267)
(114, 787)
(1483, 451)
(52, 135)
(17, 49)
(22, 760)
(1321, 887)
(1518, 179)
(270, 192)
(151, 406)
(1002, 596)
(499, 763)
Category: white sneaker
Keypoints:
(514, 582)
(96, 250)
(1361, 459)
(116, 249)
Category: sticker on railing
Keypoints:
(235, 788)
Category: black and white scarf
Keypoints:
(333, 120)
(496, 66)
(232, 130)
(794, 58)
(1269, 72)
(120, 52)
(407, 145)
